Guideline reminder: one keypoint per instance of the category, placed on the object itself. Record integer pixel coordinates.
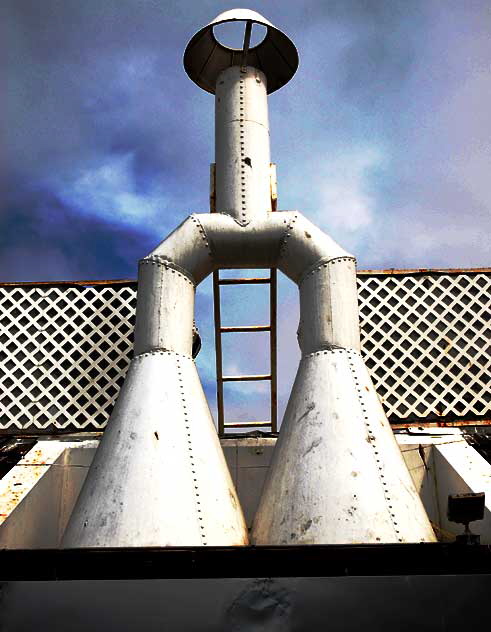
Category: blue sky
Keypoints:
(382, 138)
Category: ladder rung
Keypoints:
(244, 281)
(243, 378)
(247, 424)
(226, 330)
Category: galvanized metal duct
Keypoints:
(205, 57)
(159, 477)
(336, 450)
(325, 273)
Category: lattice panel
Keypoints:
(426, 341)
(64, 350)
(64, 354)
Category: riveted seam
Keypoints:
(168, 265)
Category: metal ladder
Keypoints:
(272, 424)
(220, 330)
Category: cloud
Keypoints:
(42, 239)
(108, 190)
(344, 188)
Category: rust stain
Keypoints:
(83, 283)
(232, 498)
(133, 282)
(429, 271)
(441, 424)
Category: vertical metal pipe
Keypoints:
(242, 153)
(165, 310)
(329, 306)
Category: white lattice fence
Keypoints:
(64, 354)
(65, 348)
(426, 341)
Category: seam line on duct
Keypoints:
(192, 463)
(287, 234)
(371, 438)
(329, 349)
(168, 265)
(322, 263)
(153, 352)
(247, 120)
(202, 231)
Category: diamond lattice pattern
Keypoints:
(64, 354)
(426, 342)
(64, 350)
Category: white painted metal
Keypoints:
(165, 308)
(37, 499)
(242, 154)
(284, 239)
(329, 307)
(337, 474)
(460, 469)
(159, 477)
(304, 246)
(450, 466)
(37, 495)
(240, 15)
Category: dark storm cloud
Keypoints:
(41, 239)
(89, 84)
(87, 78)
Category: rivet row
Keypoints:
(156, 260)
(243, 187)
(190, 452)
(203, 234)
(288, 232)
(322, 265)
(169, 352)
(372, 441)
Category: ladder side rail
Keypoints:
(273, 349)
(218, 352)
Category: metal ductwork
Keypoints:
(159, 477)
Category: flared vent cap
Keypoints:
(205, 57)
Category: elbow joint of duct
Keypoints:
(326, 276)
(324, 272)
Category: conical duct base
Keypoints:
(159, 477)
(337, 474)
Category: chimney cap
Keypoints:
(205, 57)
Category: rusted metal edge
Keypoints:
(245, 329)
(82, 283)
(418, 271)
(247, 424)
(244, 281)
(441, 424)
(245, 378)
(382, 272)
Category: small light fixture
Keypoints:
(463, 509)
